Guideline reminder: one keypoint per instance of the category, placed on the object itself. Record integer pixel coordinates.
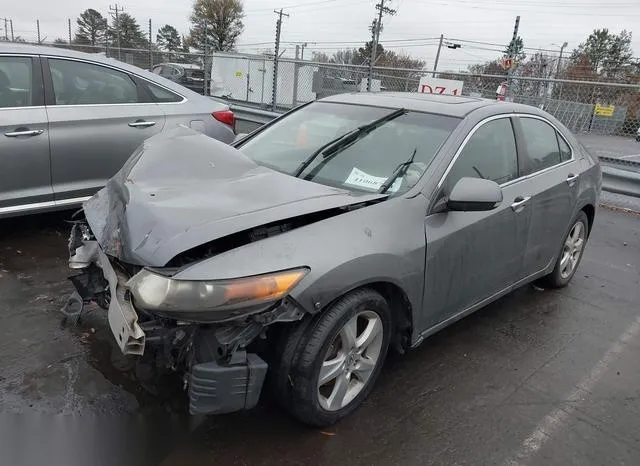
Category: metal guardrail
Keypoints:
(619, 176)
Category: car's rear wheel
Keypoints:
(336, 358)
(571, 253)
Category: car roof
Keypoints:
(30, 49)
(450, 105)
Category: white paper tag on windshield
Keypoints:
(361, 179)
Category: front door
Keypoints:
(25, 176)
(472, 256)
(97, 118)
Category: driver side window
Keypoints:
(490, 153)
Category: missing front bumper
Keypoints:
(123, 319)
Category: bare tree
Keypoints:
(216, 24)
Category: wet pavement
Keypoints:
(540, 377)
(625, 147)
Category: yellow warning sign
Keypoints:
(604, 111)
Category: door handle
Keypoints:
(142, 124)
(519, 203)
(26, 132)
(571, 179)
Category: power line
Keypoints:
(321, 5)
(295, 6)
(536, 49)
(506, 8)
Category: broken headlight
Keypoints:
(211, 300)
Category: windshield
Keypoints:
(366, 164)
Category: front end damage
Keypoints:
(149, 250)
(215, 360)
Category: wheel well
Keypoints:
(401, 313)
(590, 211)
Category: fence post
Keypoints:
(248, 78)
(295, 78)
(150, 47)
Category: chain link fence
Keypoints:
(584, 106)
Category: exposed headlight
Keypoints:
(179, 298)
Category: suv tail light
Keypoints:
(225, 116)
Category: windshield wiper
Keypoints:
(334, 146)
(306, 162)
(397, 173)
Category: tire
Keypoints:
(322, 341)
(558, 278)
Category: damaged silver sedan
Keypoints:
(351, 225)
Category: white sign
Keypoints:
(430, 85)
(361, 179)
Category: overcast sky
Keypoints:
(331, 24)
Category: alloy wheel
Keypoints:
(350, 360)
(572, 249)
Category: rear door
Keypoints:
(551, 173)
(98, 115)
(25, 177)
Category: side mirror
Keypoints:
(474, 194)
(238, 137)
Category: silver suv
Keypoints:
(69, 120)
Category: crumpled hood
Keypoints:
(182, 189)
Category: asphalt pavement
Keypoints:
(611, 146)
(540, 377)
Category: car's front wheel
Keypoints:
(571, 253)
(335, 358)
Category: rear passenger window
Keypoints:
(565, 150)
(541, 143)
(15, 82)
(160, 94)
(80, 83)
(490, 153)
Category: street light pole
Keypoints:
(435, 63)
(558, 68)
(560, 59)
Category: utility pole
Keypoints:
(12, 37)
(115, 11)
(302, 47)
(276, 57)
(435, 64)
(375, 30)
(69, 25)
(38, 25)
(511, 57)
